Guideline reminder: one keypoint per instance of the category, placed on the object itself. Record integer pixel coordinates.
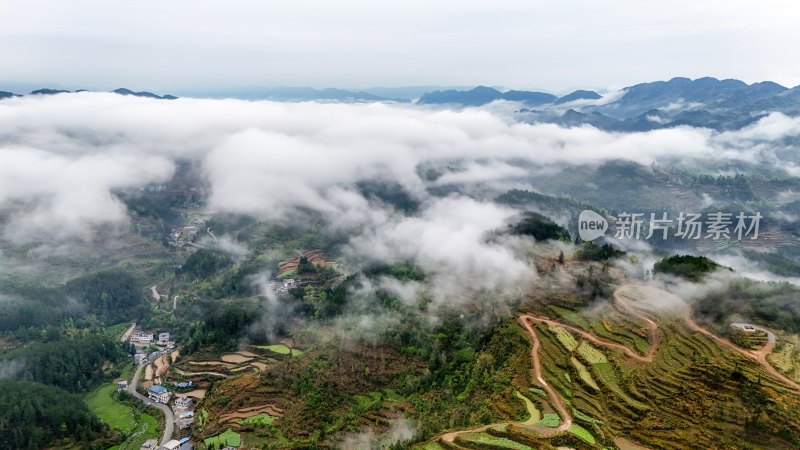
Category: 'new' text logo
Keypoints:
(591, 225)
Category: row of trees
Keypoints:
(110, 296)
(73, 363)
(34, 416)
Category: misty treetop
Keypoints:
(540, 227)
(687, 266)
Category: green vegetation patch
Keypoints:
(289, 273)
(582, 433)
(147, 428)
(494, 441)
(687, 266)
(532, 410)
(432, 446)
(368, 401)
(229, 437)
(584, 373)
(540, 227)
(606, 375)
(570, 316)
(259, 420)
(591, 354)
(783, 359)
(110, 411)
(550, 420)
(280, 349)
(585, 418)
(564, 337)
(537, 391)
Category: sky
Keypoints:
(192, 46)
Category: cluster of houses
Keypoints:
(183, 410)
(289, 283)
(179, 237)
(142, 340)
(182, 407)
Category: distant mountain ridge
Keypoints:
(703, 102)
(120, 91)
(482, 95)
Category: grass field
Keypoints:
(532, 410)
(591, 354)
(229, 437)
(492, 441)
(564, 337)
(147, 428)
(280, 349)
(582, 433)
(116, 331)
(549, 420)
(369, 400)
(432, 446)
(260, 419)
(570, 316)
(584, 373)
(110, 411)
(782, 359)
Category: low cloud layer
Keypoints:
(62, 157)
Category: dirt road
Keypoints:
(127, 334)
(556, 399)
(662, 296)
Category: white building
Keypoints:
(163, 338)
(158, 393)
(745, 327)
(184, 402)
(171, 445)
(140, 337)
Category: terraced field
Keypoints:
(786, 361)
(684, 388)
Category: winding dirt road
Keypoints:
(556, 399)
(666, 297)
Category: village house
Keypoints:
(745, 327)
(158, 393)
(287, 284)
(163, 338)
(140, 358)
(140, 337)
(184, 402)
(122, 385)
(171, 445)
(185, 420)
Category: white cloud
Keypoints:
(63, 156)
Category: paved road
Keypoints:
(169, 418)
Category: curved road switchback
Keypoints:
(169, 418)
